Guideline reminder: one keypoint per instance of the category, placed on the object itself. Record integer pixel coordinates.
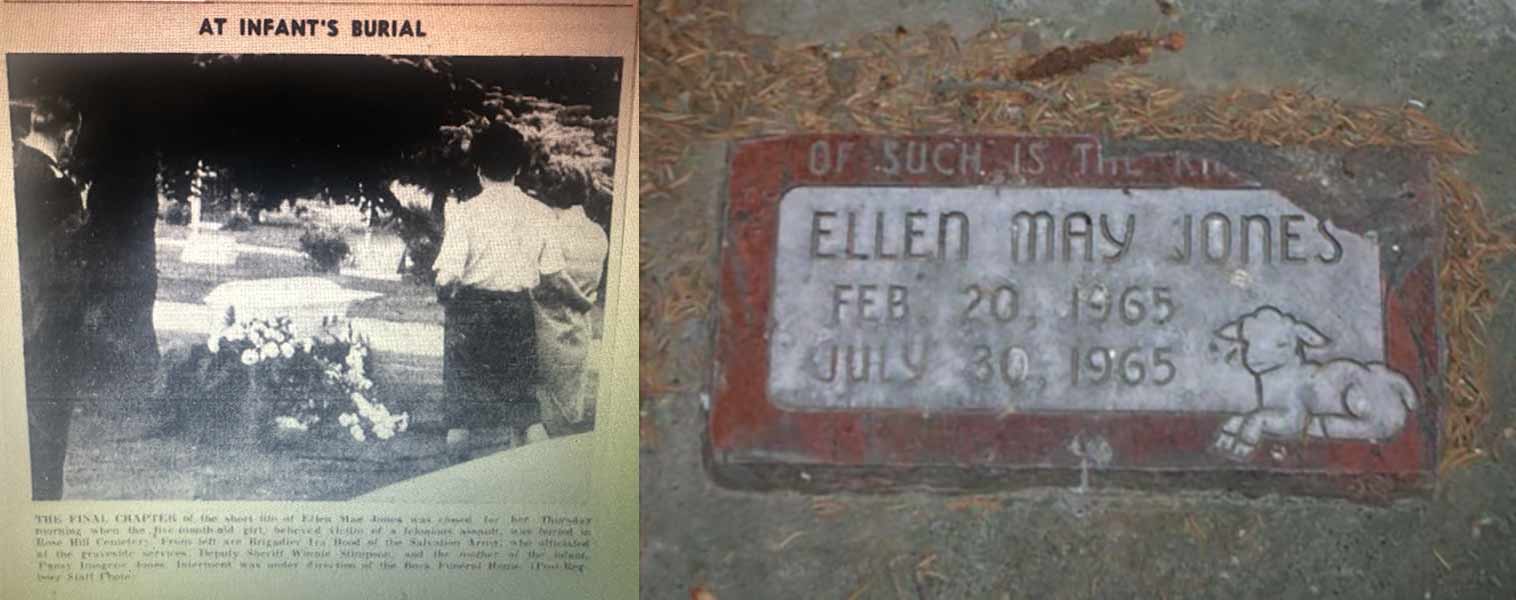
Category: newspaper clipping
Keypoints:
(318, 300)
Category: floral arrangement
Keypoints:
(308, 380)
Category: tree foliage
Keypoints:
(341, 128)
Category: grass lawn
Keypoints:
(273, 235)
(119, 451)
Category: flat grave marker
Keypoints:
(983, 312)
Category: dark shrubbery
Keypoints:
(237, 221)
(325, 249)
(176, 213)
(422, 234)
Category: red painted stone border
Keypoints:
(751, 443)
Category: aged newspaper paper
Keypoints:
(318, 300)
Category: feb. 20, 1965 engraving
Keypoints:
(306, 277)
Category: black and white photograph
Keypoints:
(286, 277)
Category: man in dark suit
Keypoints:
(49, 210)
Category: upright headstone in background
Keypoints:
(203, 247)
(197, 196)
(981, 311)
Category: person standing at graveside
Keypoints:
(496, 249)
(49, 210)
(563, 315)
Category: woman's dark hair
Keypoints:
(546, 182)
(498, 152)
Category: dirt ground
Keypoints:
(1457, 59)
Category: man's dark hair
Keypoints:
(53, 116)
(498, 152)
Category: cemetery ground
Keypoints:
(136, 450)
(1456, 541)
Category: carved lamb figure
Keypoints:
(1336, 399)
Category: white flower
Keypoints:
(306, 345)
(249, 357)
(383, 432)
(256, 337)
(286, 422)
(214, 344)
(364, 408)
(357, 433)
(287, 349)
(270, 350)
(347, 419)
(402, 422)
